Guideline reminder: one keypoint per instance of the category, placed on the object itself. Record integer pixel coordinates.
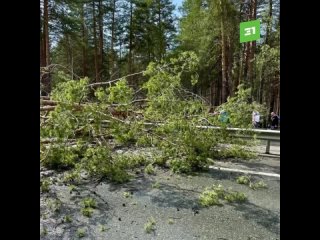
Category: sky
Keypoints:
(177, 3)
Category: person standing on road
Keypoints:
(256, 119)
(274, 121)
(224, 117)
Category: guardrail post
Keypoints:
(268, 147)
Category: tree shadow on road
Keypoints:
(58, 228)
(262, 216)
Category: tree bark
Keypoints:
(84, 44)
(70, 55)
(96, 63)
(101, 52)
(112, 38)
(252, 45)
(160, 31)
(269, 25)
(46, 31)
(223, 57)
(46, 79)
(229, 67)
(130, 62)
(261, 86)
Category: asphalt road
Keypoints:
(168, 198)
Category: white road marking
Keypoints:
(245, 171)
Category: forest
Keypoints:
(106, 40)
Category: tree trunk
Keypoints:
(41, 51)
(241, 53)
(46, 79)
(223, 58)
(42, 44)
(212, 93)
(130, 44)
(218, 91)
(252, 45)
(96, 63)
(101, 52)
(246, 54)
(246, 63)
(120, 57)
(84, 44)
(229, 69)
(70, 55)
(112, 38)
(271, 96)
(46, 32)
(278, 99)
(160, 31)
(261, 86)
(269, 25)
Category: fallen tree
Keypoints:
(112, 113)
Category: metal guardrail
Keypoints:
(262, 134)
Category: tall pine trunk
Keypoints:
(252, 45)
(130, 62)
(269, 25)
(160, 31)
(46, 78)
(241, 53)
(96, 62)
(70, 55)
(84, 44)
(112, 52)
(223, 56)
(101, 52)
(229, 67)
(46, 32)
